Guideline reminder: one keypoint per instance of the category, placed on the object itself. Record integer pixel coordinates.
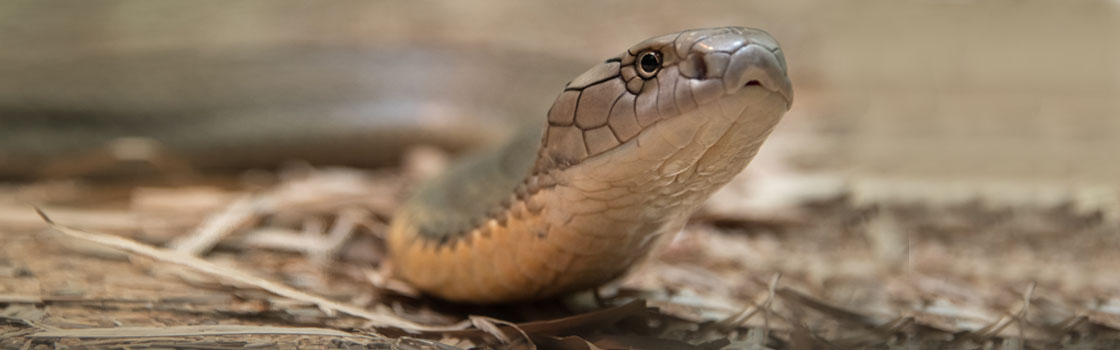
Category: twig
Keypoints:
(201, 265)
(188, 331)
(218, 226)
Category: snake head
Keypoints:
(688, 87)
(735, 56)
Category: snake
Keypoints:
(574, 199)
(631, 148)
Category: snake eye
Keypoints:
(649, 63)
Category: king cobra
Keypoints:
(632, 147)
(629, 150)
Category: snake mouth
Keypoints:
(761, 66)
(785, 92)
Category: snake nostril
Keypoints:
(753, 83)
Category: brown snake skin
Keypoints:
(632, 148)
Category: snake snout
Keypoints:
(759, 65)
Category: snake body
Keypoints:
(631, 148)
(258, 108)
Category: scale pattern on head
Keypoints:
(657, 79)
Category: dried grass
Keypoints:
(831, 276)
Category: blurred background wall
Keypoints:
(1003, 91)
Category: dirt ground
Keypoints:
(946, 179)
